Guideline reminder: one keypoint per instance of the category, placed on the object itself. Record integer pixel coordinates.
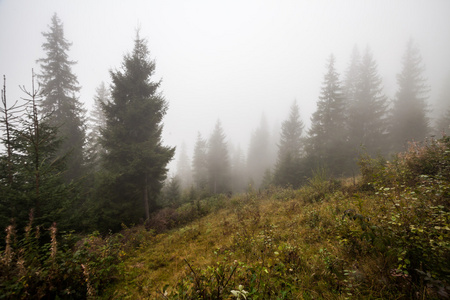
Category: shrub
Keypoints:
(410, 228)
(37, 265)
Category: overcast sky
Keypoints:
(231, 60)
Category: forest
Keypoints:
(81, 192)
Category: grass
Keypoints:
(277, 241)
(386, 236)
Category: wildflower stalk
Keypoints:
(54, 243)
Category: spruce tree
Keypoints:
(442, 109)
(60, 87)
(218, 162)
(172, 192)
(409, 119)
(7, 118)
(97, 122)
(238, 172)
(34, 184)
(290, 150)
(258, 158)
(291, 134)
(352, 76)
(134, 158)
(368, 112)
(200, 163)
(327, 135)
(443, 124)
(8, 172)
(184, 172)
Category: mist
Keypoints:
(232, 61)
(224, 149)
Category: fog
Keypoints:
(228, 60)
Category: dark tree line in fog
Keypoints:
(100, 170)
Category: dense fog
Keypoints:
(206, 149)
(236, 69)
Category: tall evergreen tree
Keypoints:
(184, 172)
(290, 150)
(218, 162)
(442, 109)
(34, 184)
(97, 122)
(368, 112)
(291, 134)
(443, 124)
(7, 118)
(60, 87)
(200, 163)
(409, 114)
(327, 135)
(134, 155)
(259, 158)
(238, 172)
(352, 76)
(442, 102)
(171, 192)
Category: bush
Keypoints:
(410, 229)
(319, 186)
(37, 265)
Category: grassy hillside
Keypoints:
(383, 236)
(386, 236)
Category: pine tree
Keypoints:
(352, 76)
(443, 124)
(409, 115)
(97, 122)
(368, 112)
(135, 158)
(267, 180)
(8, 201)
(184, 172)
(238, 172)
(218, 162)
(172, 192)
(258, 159)
(290, 150)
(200, 163)
(8, 116)
(35, 183)
(327, 135)
(60, 87)
(291, 134)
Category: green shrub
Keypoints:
(410, 226)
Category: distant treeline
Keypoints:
(353, 118)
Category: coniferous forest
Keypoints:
(353, 205)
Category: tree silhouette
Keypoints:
(134, 155)
(60, 86)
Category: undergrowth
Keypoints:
(42, 263)
(386, 236)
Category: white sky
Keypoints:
(231, 59)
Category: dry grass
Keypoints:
(281, 219)
(327, 240)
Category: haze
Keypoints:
(228, 60)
